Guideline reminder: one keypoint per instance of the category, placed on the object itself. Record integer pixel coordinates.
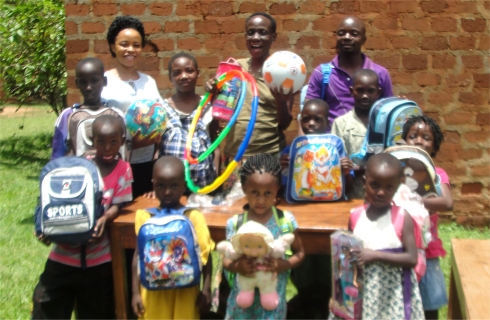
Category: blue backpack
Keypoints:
(169, 255)
(315, 173)
(326, 71)
(70, 200)
(386, 119)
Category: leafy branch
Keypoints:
(32, 59)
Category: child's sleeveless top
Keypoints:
(384, 296)
(378, 234)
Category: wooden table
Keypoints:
(469, 288)
(316, 222)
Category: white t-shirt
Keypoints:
(121, 94)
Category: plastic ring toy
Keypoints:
(222, 79)
(241, 149)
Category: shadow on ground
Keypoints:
(34, 150)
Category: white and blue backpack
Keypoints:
(79, 125)
(386, 119)
(315, 172)
(169, 254)
(70, 200)
(326, 72)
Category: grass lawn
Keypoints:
(23, 152)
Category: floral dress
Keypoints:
(383, 283)
(233, 311)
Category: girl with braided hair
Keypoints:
(260, 176)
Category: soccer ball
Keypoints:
(147, 117)
(286, 69)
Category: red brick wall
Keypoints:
(435, 50)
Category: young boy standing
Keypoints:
(90, 80)
(79, 276)
(352, 126)
(183, 303)
(312, 277)
(314, 120)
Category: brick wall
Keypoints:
(436, 52)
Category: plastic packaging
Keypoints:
(225, 102)
(218, 202)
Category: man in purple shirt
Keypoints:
(351, 35)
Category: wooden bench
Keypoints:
(469, 288)
(316, 222)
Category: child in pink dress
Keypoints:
(389, 254)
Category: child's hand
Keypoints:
(99, 229)
(210, 86)
(203, 302)
(363, 256)
(149, 195)
(284, 161)
(245, 266)
(137, 305)
(346, 165)
(277, 265)
(42, 238)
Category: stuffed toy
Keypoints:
(255, 240)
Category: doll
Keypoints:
(255, 240)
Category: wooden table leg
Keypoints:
(119, 273)
(454, 305)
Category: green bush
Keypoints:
(32, 59)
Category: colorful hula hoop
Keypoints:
(241, 149)
(222, 79)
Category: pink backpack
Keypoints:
(397, 214)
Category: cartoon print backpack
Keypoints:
(419, 170)
(315, 173)
(70, 200)
(386, 119)
(169, 255)
(80, 130)
(397, 219)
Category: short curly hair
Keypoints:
(434, 127)
(121, 23)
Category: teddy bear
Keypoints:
(255, 240)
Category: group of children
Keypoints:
(79, 276)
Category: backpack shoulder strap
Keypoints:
(397, 218)
(155, 211)
(238, 220)
(285, 224)
(355, 214)
(326, 71)
(302, 97)
(282, 221)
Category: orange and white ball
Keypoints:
(286, 69)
